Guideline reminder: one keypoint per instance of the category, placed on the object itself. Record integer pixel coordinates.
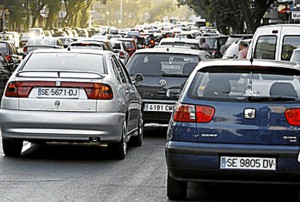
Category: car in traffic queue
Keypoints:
(35, 43)
(192, 43)
(164, 72)
(120, 49)
(235, 121)
(84, 45)
(10, 52)
(130, 45)
(76, 96)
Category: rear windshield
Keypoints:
(86, 46)
(163, 64)
(42, 41)
(246, 84)
(65, 62)
(191, 45)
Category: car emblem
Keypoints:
(249, 113)
(162, 82)
(57, 83)
(57, 103)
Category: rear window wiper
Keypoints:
(175, 75)
(279, 98)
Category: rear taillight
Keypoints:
(293, 116)
(192, 113)
(25, 49)
(8, 58)
(93, 90)
(23, 88)
(184, 113)
(204, 114)
(121, 55)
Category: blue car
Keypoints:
(235, 121)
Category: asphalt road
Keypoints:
(72, 172)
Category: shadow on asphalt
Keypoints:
(153, 134)
(223, 192)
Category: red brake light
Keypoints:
(23, 88)
(204, 114)
(191, 113)
(8, 58)
(24, 49)
(121, 54)
(293, 116)
(152, 41)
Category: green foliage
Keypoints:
(231, 14)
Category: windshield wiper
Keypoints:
(279, 98)
(174, 75)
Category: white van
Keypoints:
(275, 42)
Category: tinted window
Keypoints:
(86, 46)
(288, 45)
(191, 45)
(251, 82)
(162, 64)
(42, 41)
(265, 47)
(65, 62)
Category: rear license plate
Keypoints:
(158, 107)
(58, 93)
(247, 163)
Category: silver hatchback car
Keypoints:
(71, 96)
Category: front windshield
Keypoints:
(249, 83)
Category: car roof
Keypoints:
(171, 50)
(247, 63)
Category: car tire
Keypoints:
(137, 141)
(12, 148)
(176, 190)
(120, 149)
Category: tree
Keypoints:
(231, 13)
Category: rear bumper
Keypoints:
(201, 162)
(61, 126)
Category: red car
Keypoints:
(130, 45)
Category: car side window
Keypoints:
(114, 67)
(119, 70)
(265, 47)
(125, 72)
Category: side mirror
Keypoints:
(173, 92)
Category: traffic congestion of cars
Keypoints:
(230, 118)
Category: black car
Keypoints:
(6, 70)
(164, 72)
